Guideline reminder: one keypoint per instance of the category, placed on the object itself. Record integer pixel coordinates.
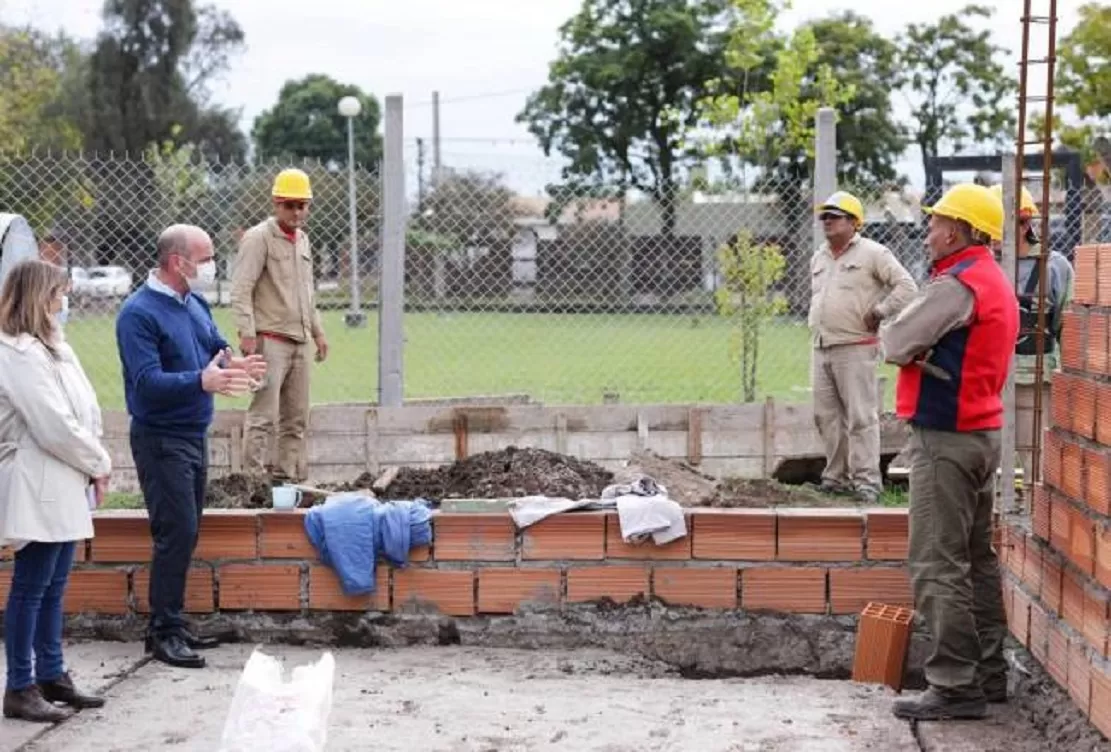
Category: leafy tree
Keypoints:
(1084, 78)
(749, 271)
(149, 73)
(958, 90)
(305, 123)
(33, 97)
(869, 140)
(623, 93)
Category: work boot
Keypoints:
(866, 495)
(29, 705)
(931, 705)
(62, 690)
(833, 488)
(172, 650)
(995, 690)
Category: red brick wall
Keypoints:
(794, 561)
(1058, 561)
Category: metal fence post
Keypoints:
(825, 161)
(1009, 261)
(391, 289)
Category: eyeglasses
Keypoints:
(294, 205)
(827, 217)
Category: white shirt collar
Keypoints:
(154, 283)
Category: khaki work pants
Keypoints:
(283, 400)
(954, 570)
(1024, 426)
(847, 414)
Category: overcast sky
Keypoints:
(484, 56)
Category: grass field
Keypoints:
(556, 359)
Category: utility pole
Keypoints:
(436, 164)
(420, 175)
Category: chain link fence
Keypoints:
(525, 295)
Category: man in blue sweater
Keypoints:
(174, 360)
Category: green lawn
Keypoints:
(557, 359)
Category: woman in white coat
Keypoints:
(53, 470)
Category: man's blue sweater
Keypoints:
(164, 344)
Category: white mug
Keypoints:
(285, 497)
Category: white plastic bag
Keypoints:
(268, 713)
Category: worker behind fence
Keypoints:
(953, 346)
(855, 283)
(274, 300)
(174, 360)
(1058, 294)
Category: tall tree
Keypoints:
(1084, 76)
(623, 92)
(149, 75)
(958, 90)
(305, 123)
(869, 140)
(34, 98)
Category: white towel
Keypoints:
(657, 516)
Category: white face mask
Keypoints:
(206, 275)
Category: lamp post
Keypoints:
(350, 108)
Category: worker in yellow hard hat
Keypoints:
(953, 346)
(274, 302)
(1058, 294)
(855, 284)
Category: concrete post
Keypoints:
(825, 161)
(1009, 262)
(391, 288)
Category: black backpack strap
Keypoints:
(1031, 287)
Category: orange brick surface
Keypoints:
(474, 537)
(1103, 276)
(1082, 542)
(1074, 338)
(1103, 555)
(733, 535)
(1058, 651)
(326, 591)
(887, 534)
(1096, 619)
(616, 548)
(1083, 407)
(1019, 620)
(1080, 676)
(1097, 343)
(282, 536)
(820, 535)
(1101, 701)
(503, 590)
(451, 592)
(1097, 479)
(1039, 633)
(198, 590)
(619, 583)
(260, 587)
(1072, 469)
(1060, 523)
(1072, 600)
(1040, 512)
(1060, 389)
(96, 591)
(882, 637)
(697, 586)
(121, 537)
(1032, 566)
(1051, 458)
(850, 590)
(1086, 287)
(1103, 414)
(227, 535)
(566, 537)
(1051, 582)
(791, 589)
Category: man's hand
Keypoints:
(100, 488)
(248, 345)
(230, 382)
(872, 320)
(254, 365)
(321, 347)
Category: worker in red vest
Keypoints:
(953, 346)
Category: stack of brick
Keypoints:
(1058, 560)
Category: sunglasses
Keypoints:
(294, 205)
(828, 216)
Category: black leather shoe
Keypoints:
(62, 690)
(931, 705)
(172, 650)
(196, 642)
(29, 705)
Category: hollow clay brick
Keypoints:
(882, 641)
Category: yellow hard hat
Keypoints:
(974, 204)
(292, 183)
(844, 202)
(1028, 209)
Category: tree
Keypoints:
(869, 140)
(149, 73)
(1084, 77)
(958, 90)
(306, 123)
(33, 99)
(623, 92)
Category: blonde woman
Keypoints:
(53, 469)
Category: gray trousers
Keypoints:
(847, 413)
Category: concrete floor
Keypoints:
(469, 699)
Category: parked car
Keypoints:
(101, 281)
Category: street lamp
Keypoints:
(350, 108)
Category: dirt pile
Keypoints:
(510, 472)
(743, 492)
(238, 491)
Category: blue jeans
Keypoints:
(33, 618)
